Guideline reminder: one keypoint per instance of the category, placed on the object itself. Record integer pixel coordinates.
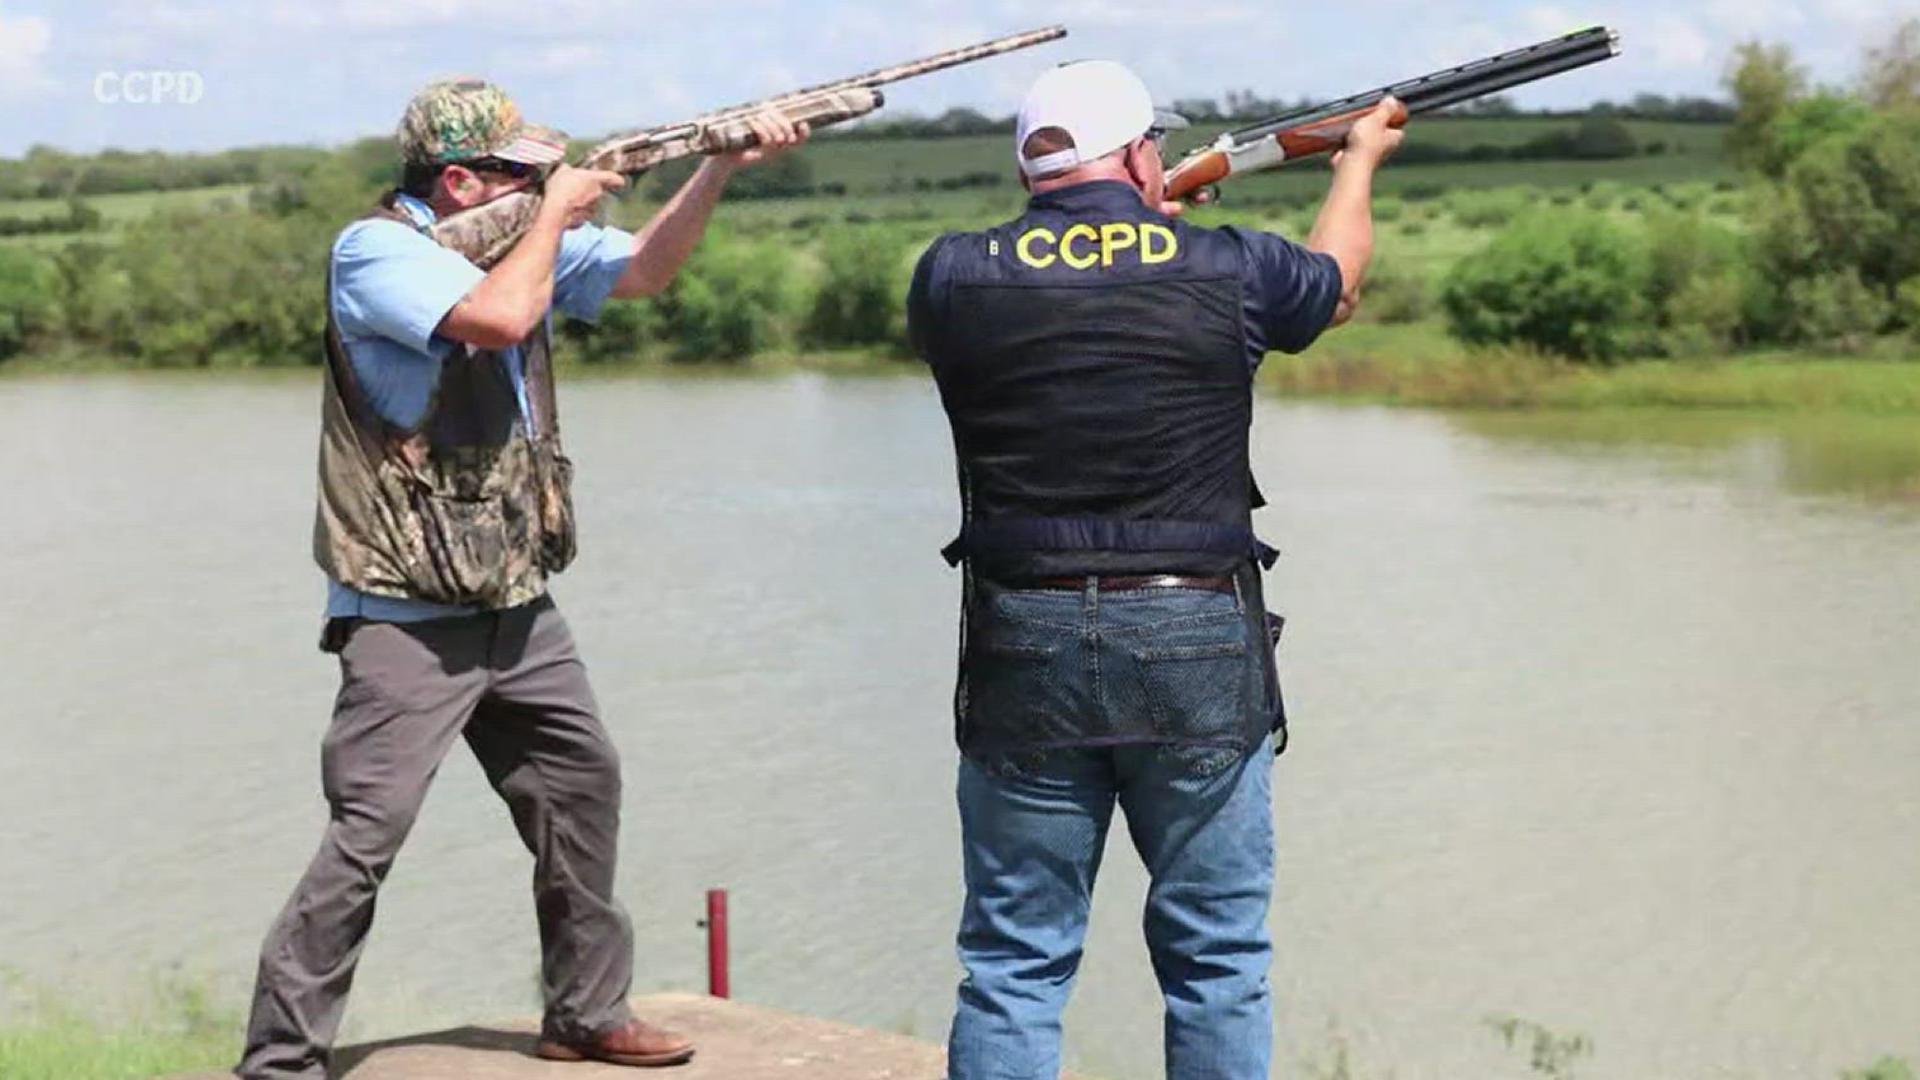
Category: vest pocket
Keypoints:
(557, 538)
(465, 541)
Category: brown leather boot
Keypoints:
(636, 1043)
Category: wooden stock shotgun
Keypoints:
(1323, 129)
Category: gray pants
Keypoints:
(512, 683)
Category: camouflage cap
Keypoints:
(464, 119)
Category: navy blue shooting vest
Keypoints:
(1093, 359)
(1094, 364)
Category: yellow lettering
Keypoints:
(1078, 262)
(1115, 236)
(1025, 248)
(1148, 253)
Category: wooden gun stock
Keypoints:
(1207, 167)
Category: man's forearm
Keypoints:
(1344, 228)
(663, 247)
(515, 295)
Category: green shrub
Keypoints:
(1684, 247)
(860, 296)
(625, 331)
(1486, 209)
(1906, 306)
(1861, 195)
(1566, 282)
(1392, 295)
(1832, 239)
(200, 288)
(1596, 138)
(1705, 317)
(1388, 209)
(92, 290)
(728, 302)
(790, 176)
(1687, 196)
(1836, 310)
(1697, 283)
(1808, 123)
(27, 298)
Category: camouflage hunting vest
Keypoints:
(463, 508)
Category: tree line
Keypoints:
(48, 173)
(1823, 258)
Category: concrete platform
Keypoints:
(736, 1042)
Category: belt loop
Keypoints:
(1239, 596)
(1091, 597)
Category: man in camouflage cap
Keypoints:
(444, 506)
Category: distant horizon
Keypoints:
(294, 73)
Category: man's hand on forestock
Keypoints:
(776, 134)
(1373, 138)
(577, 192)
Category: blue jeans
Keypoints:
(1033, 828)
(1032, 848)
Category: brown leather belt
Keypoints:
(1129, 583)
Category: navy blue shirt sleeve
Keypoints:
(926, 299)
(1291, 293)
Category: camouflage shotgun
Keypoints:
(486, 233)
(1323, 128)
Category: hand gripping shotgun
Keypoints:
(1323, 128)
(486, 233)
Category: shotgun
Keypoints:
(484, 234)
(1323, 129)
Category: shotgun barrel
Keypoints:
(484, 234)
(1323, 128)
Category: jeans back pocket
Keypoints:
(1025, 674)
(1195, 678)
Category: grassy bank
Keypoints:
(1415, 365)
(80, 1050)
(1418, 364)
(177, 1030)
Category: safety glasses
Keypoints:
(518, 170)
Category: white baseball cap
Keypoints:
(1099, 103)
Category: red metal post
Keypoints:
(719, 983)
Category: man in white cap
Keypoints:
(444, 507)
(1095, 357)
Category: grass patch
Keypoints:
(179, 1030)
(1419, 364)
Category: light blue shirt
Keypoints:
(391, 287)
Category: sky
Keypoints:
(81, 75)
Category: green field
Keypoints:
(132, 205)
(899, 179)
(116, 210)
(880, 165)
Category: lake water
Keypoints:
(1608, 722)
